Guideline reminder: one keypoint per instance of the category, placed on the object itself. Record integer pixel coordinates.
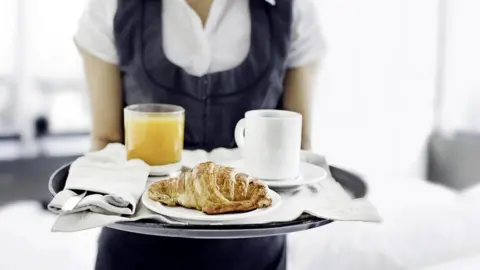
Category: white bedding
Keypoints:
(465, 263)
(27, 243)
(424, 225)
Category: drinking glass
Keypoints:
(154, 133)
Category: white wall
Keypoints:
(461, 102)
(375, 104)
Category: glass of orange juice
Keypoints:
(154, 133)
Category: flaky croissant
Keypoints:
(212, 189)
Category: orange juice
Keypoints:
(157, 140)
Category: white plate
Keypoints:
(195, 216)
(309, 174)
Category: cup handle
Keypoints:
(240, 133)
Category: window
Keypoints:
(56, 70)
(40, 60)
(8, 10)
(40, 71)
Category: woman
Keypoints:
(217, 59)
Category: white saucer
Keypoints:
(309, 174)
(198, 217)
(165, 170)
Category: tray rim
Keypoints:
(166, 231)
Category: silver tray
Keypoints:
(351, 182)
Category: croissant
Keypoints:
(212, 189)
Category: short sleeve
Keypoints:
(307, 41)
(95, 30)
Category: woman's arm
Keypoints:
(299, 83)
(104, 85)
(307, 47)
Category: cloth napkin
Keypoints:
(326, 199)
(102, 182)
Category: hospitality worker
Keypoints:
(217, 59)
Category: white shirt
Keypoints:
(221, 45)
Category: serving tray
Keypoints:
(350, 182)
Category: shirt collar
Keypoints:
(271, 2)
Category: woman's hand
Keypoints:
(106, 99)
(298, 94)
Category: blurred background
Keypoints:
(398, 102)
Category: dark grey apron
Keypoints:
(214, 104)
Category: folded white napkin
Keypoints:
(326, 200)
(102, 182)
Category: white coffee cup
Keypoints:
(270, 141)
